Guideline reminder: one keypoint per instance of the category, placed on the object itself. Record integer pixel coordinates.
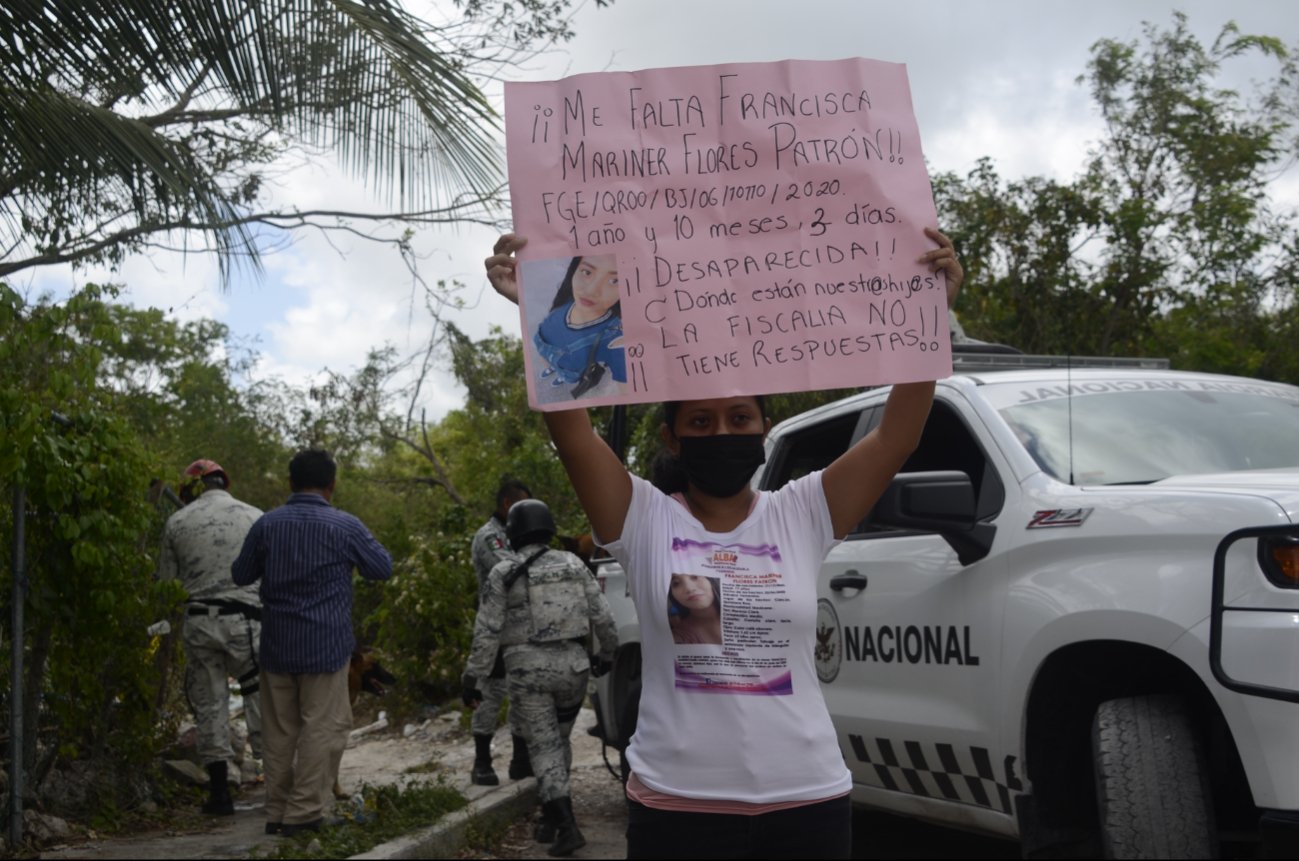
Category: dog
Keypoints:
(583, 546)
(364, 675)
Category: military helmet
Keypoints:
(529, 521)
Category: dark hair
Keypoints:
(565, 294)
(312, 469)
(681, 611)
(216, 480)
(510, 487)
(667, 474)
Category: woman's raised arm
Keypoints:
(859, 476)
(599, 479)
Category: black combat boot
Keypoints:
(546, 827)
(569, 839)
(520, 762)
(483, 775)
(219, 802)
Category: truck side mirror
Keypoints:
(942, 502)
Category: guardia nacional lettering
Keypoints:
(910, 644)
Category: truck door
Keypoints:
(909, 644)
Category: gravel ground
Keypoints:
(598, 803)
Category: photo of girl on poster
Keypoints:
(695, 610)
(578, 339)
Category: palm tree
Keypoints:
(124, 122)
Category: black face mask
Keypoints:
(721, 464)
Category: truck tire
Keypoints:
(1152, 790)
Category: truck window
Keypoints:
(813, 448)
(948, 443)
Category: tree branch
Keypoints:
(458, 213)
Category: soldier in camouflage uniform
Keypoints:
(490, 546)
(539, 610)
(222, 626)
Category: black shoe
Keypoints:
(520, 762)
(484, 775)
(545, 829)
(219, 802)
(274, 827)
(219, 806)
(568, 838)
(289, 830)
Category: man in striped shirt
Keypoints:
(303, 553)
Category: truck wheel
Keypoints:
(1151, 783)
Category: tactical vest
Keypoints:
(555, 596)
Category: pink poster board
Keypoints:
(710, 231)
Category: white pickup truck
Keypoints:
(1073, 620)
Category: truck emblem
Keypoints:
(1058, 517)
(828, 653)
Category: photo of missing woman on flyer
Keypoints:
(695, 609)
(578, 340)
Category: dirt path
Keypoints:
(436, 750)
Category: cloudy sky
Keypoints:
(987, 78)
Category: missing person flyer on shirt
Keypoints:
(729, 618)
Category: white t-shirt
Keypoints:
(743, 720)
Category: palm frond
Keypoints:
(359, 75)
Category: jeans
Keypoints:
(820, 830)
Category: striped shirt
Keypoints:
(304, 552)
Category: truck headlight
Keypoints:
(1278, 555)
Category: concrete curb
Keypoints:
(499, 807)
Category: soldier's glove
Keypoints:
(599, 666)
(469, 692)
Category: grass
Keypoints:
(432, 766)
(390, 812)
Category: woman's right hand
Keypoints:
(501, 266)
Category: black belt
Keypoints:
(223, 607)
(214, 611)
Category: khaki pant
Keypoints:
(305, 722)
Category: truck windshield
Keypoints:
(1134, 431)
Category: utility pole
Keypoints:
(17, 784)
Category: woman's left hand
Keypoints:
(502, 264)
(944, 257)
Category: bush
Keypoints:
(425, 622)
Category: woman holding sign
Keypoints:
(734, 753)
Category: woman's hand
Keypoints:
(943, 257)
(501, 266)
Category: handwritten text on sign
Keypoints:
(760, 223)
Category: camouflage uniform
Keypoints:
(489, 547)
(541, 624)
(199, 544)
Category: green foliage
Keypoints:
(181, 385)
(123, 120)
(389, 812)
(84, 470)
(1167, 243)
(424, 623)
